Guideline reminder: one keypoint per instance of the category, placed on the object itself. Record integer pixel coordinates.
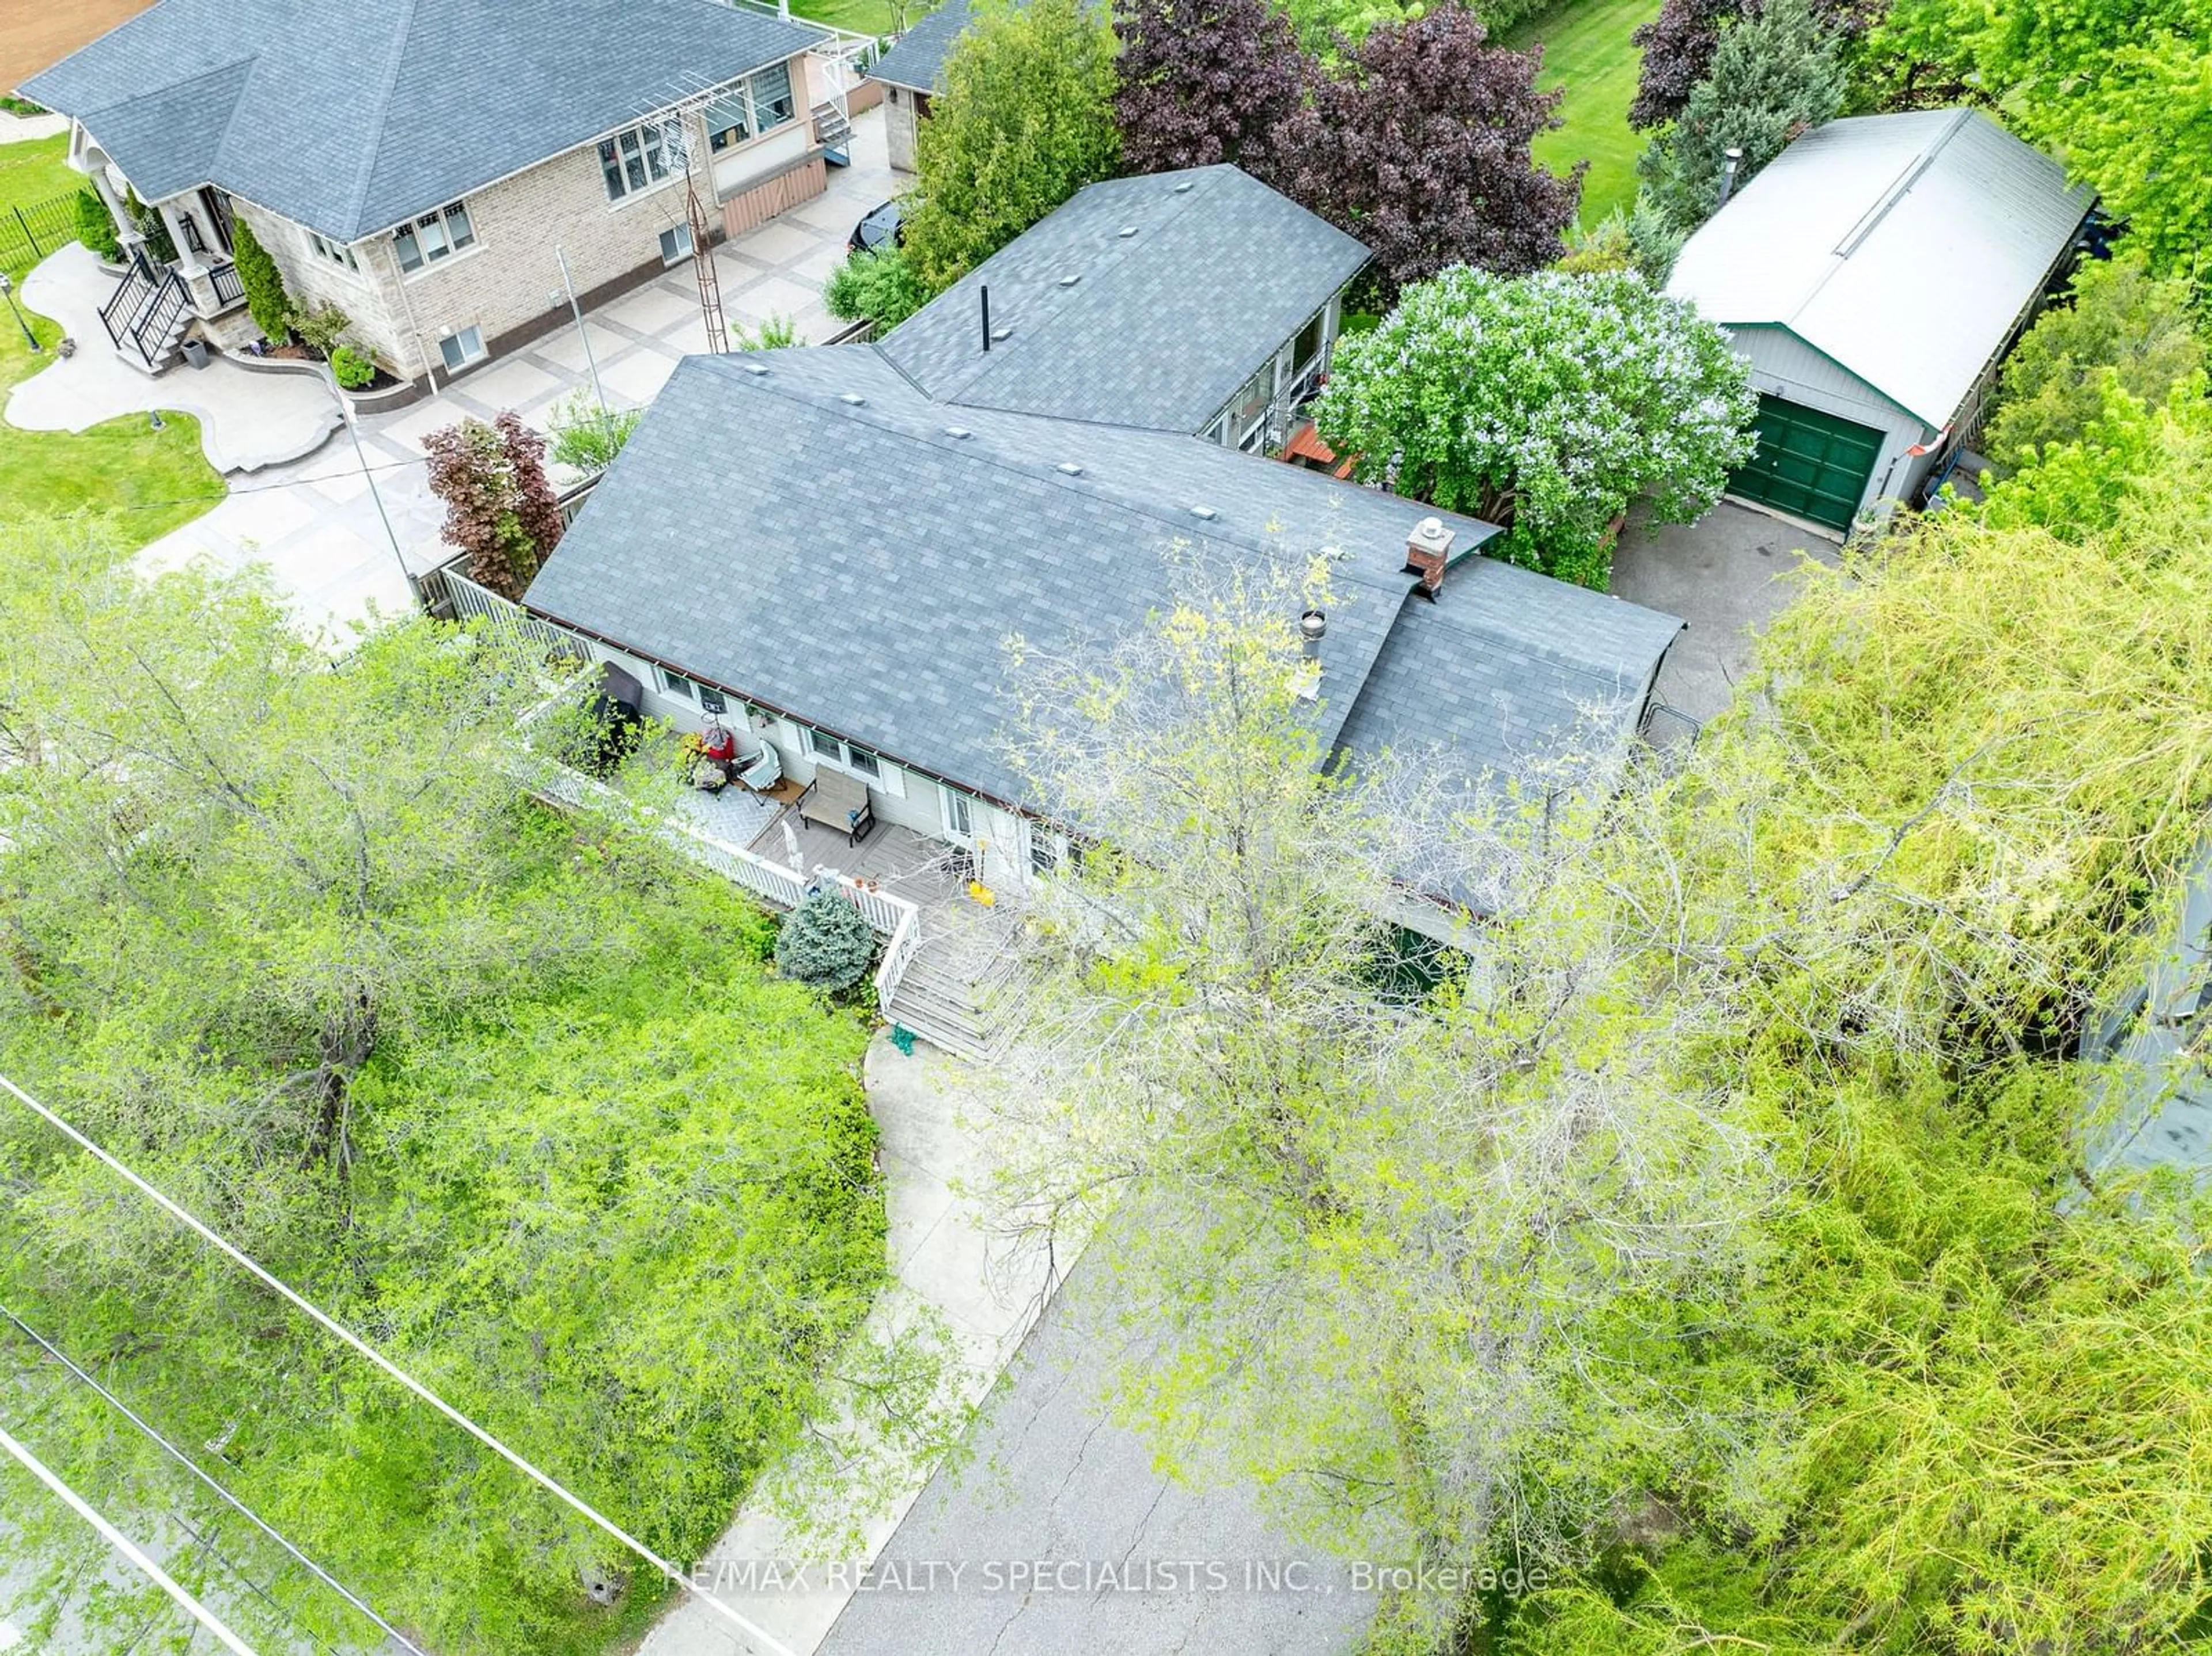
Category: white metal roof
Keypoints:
(1903, 247)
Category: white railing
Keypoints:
(895, 920)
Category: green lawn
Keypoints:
(861, 16)
(35, 172)
(148, 483)
(1587, 50)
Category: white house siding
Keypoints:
(906, 799)
(1782, 365)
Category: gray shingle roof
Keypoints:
(1163, 326)
(917, 61)
(1902, 246)
(351, 116)
(859, 566)
(1494, 679)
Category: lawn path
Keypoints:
(1587, 50)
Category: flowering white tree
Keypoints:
(1547, 404)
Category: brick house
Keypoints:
(425, 168)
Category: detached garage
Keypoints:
(1875, 274)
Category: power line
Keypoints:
(225, 1496)
(745, 1625)
(124, 1544)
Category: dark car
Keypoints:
(882, 227)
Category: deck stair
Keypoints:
(833, 131)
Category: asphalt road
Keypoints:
(1059, 1538)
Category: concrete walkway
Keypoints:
(947, 1256)
(248, 421)
(315, 524)
(22, 129)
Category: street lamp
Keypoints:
(8, 293)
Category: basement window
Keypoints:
(676, 244)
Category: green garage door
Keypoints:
(1809, 464)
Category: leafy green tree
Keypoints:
(2075, 489)
(826, 944)
(1375, 1249)
(509, 1091)
(1774, 76)
(2121, 91)
(1025, 120)
(1545, 403)
(882, 287)
(264, 282)
(2116, 317)
(587, 437)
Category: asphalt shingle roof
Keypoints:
(917, 61)
(1185, 284)
(1902, 246)
(352, 116)
(858, 566)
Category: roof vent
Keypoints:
(959, 431)
(1127, 230)
(1002, 333)
(1205, 511)
(1183, 188)
(1070, 468)
(757, 369)
(1070, 281)
(854, 397)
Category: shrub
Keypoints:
(264, 282)
(2120, 318)
(1547, 403)
(778, 333)
(826, 944)
(499, 508)
(95, 227)
(880, 287)
(587, 437)
(351, 368)
(320, 329)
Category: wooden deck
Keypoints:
(904, 863)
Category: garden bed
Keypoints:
(380, 396)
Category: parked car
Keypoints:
(882, 227)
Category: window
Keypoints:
(826, 747)
(674, 243)
(760, 103)
(675, 684)
(432, 237)
(460, 350)
(959, 818)
(639, 158)
(1309, 345)
(336, 252)
(865, 762)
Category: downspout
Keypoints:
(407, 307)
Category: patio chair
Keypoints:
(764, 770)
(840, 804)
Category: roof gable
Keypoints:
(351, 116)
(1902, 246)
(1145, 302)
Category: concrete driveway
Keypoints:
(1726, 574)
(315, 524)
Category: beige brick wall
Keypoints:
(508, 284)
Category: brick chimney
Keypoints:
(1426, 549)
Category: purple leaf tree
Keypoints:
(1205, 80)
